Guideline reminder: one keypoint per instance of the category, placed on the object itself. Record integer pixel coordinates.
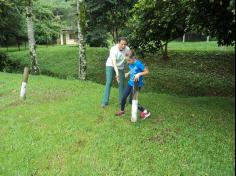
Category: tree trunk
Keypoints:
(82, 49)
(164, 50)
(6, 43)
(116, 34)
(113, 35)
(18, 43)
(32, 44)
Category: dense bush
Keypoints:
(195, 69)
(8, 65)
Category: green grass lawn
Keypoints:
(199, 46)
(61, 130)
(194, 69)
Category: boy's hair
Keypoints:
(122, 39)
(130, 54)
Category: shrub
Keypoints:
(8, 65)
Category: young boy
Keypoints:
(137, 71)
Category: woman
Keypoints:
(115, 65)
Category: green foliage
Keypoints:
(151, 25)
(197, 69)
(106, 17)
(8, 65)
(156, 23)
(47, 25)
(47, 21)
(215, 18)
(60, 131)
(12, 25)
(97, 37)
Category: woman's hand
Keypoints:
(127, 75)
(118, 78)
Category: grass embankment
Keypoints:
(61, 130)
(195, 69)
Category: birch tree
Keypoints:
(31, 37)
(81, 32)
(80, 20)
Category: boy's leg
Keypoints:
(140, 107)
(109, 78)
(124, 98)
(144, 112)
(121, 84)
(123, 101)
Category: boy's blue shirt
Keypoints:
(135, 68)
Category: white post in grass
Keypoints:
(208, 39)
(24, 83)
(184, 37)
(134, 111)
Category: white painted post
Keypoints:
(134, 111)
(184, 36)
(24, 83)
(208, 38)
(62, 38)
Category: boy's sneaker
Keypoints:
(120, 113)
(145, 114)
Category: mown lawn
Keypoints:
(194, 69)
(61, 130)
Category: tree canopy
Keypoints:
(149, 24)
(13, 21)
(215, 18)
(155, 23)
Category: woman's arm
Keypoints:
(116, 69)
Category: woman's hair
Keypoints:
(130, 54)
(122, 39)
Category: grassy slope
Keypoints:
(61, 130)
(195, 69)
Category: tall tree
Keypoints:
(97, 34)
(108, 16)
(215, 18)
(155, 23)
(31, 37)
(117, 12)
(11, 30)
(82, 45)
(47, 24)
(81, 23)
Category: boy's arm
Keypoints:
(145, 72)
